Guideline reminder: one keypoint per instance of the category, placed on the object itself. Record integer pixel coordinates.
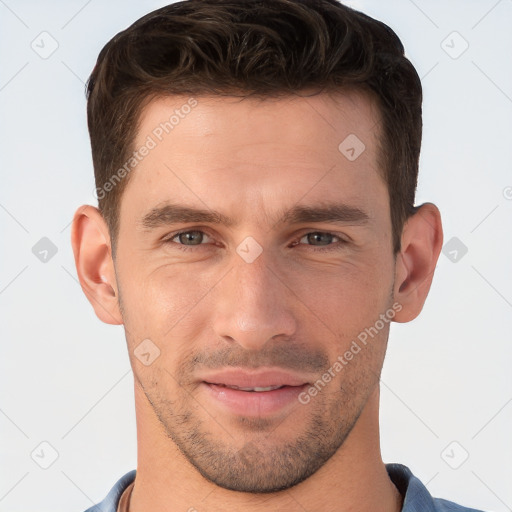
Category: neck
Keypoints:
(355, 478)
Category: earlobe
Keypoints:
(93, 259)
(422, 240)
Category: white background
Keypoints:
(66, 378)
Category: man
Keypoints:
(256, 165)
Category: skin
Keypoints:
(293, 307)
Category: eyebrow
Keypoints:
(172, 213)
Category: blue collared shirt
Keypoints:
(416, 496)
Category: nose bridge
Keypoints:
(253, 304)
(253, 285)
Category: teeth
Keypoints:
(268, 388)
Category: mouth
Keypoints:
(258, 389)
(253, 401)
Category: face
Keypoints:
(251, 241)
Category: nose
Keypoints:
(253, 305)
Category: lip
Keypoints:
(252, 403)
(260, 378)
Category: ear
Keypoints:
(93, 259)
(421, 243)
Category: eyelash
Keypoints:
(328, 248)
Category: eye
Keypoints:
(318, 240)
(188, 238)
(322, 241)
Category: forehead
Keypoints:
(252, 120)
(228, 152)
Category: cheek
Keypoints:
(345, 297)
(158, 303)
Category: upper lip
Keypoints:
(260, 379)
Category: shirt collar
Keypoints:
(415, 494)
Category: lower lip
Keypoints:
(254, 403)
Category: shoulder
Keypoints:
(449, 506)
(109, 504)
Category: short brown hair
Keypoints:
(254, 47)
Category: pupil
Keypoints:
(319, 237)
(195, 237)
